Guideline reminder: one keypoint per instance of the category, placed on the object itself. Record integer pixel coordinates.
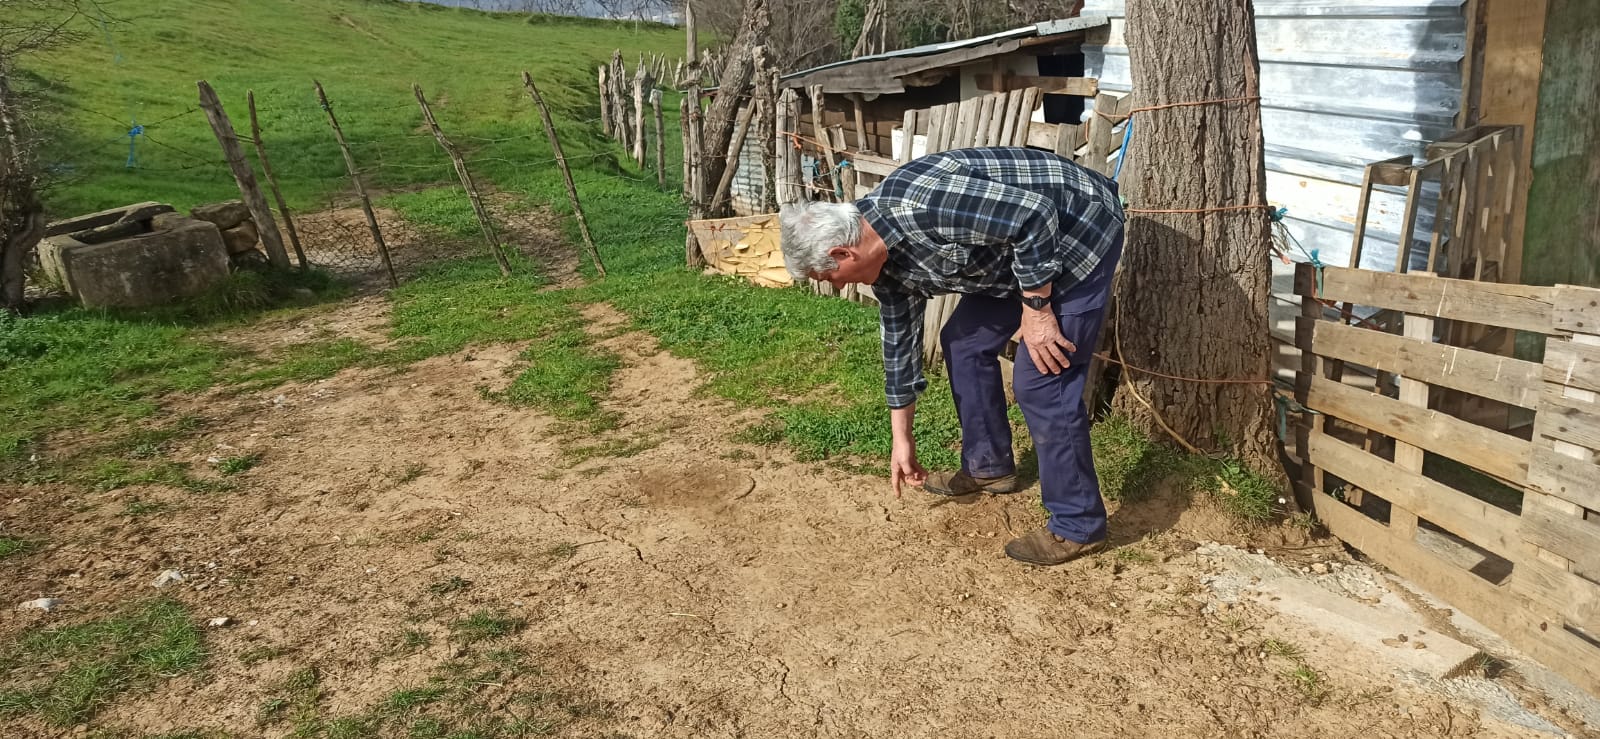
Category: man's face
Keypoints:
(851, 269)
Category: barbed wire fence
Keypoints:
(332, 228)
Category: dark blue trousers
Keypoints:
(1052, 405)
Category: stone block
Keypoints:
(241, 238)
(144, 270)
(136, 213)
(226, 214)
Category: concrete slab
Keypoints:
(1396, 638)
(123, 214)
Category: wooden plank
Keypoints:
(1513, 381)
(1080, 86)
(1574, 598)
(1568, 419)
(1485, 525)
(1573, 365)
(1030, 100)
(1520, 307)
(1100, 134)
(872, 164)
(1577, 310)
(966, 122)
(1564, 534)
(996, 122)
(861, 125)
(1498, 454)
(1414, 393)
(986, 112)
(935, 128)
(947, 127)
(1009, 122)
(908, 141)
(1496, 607)
(1063, 137)
(1513, 60)
(1568, 478)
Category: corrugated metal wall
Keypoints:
(1343, 83)
(749, 186)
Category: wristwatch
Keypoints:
(1036, 302)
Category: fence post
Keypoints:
(819, 131)
(272, 181)
(478, 209)
(766, 101)
(361, 190)
(661, 144)
(605, 103)
(641, 81)
(619, 109)
(788, 151)
(683, 123)
(566, 173)
(243, 175)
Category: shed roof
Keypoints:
(886, 72)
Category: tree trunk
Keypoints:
(22, 219)
(734, 85)
(1192, 299)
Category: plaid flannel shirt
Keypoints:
(986, 221)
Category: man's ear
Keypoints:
(839, 253)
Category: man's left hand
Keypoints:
(1043, 342)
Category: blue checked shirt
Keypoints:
(985, 221)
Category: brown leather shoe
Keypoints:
(961, 483)
(1044, 548)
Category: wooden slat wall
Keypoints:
(1549, 604)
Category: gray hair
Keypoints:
(809, 230)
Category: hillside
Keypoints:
(142, 66)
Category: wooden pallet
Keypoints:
(1514, 541)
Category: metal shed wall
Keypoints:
(1343, 83)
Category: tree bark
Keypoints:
(1192, 298)
(22, 218)
(734, 86)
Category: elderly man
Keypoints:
(1029, 240)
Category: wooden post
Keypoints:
(766, 102)
(605, 102)
(691, 47)
(478, 209)
(361, 190)
(861, 125)
(619, 93)
(820, 132)
(683, 125)
(731, 164)
(243, 176)
(566, 173)
(661, 145)
(788, 123)
(641, 80)
(272, 182)
(697, 153)
(847, 172)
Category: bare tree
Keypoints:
(27, 27)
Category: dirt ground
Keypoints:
(697, 586)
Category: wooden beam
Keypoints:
(1513, 62)
(1080, 86)
(1497, 454)
(1564, 534)
(1573, 365)
(1519, 307)
(1487, 526)
(1513, 381)
(1571, 479)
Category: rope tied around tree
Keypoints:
(1127, 142)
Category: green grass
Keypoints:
(308, 362)
(234, 465)
(485, 625)
(65, 674)
(11, 546)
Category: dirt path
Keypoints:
(694, 586)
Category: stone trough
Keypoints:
(146, 254)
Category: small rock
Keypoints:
(167, 577)
(219, 622)
(225, 215)
(1393, 642)
(43, 604)
(1321, 568)
(1418, 645)
(241, 238)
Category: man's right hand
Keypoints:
(903, 465)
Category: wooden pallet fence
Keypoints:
(1503, 528)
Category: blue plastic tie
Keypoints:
(1127, 138)
(1317, 263)
(133, 145)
